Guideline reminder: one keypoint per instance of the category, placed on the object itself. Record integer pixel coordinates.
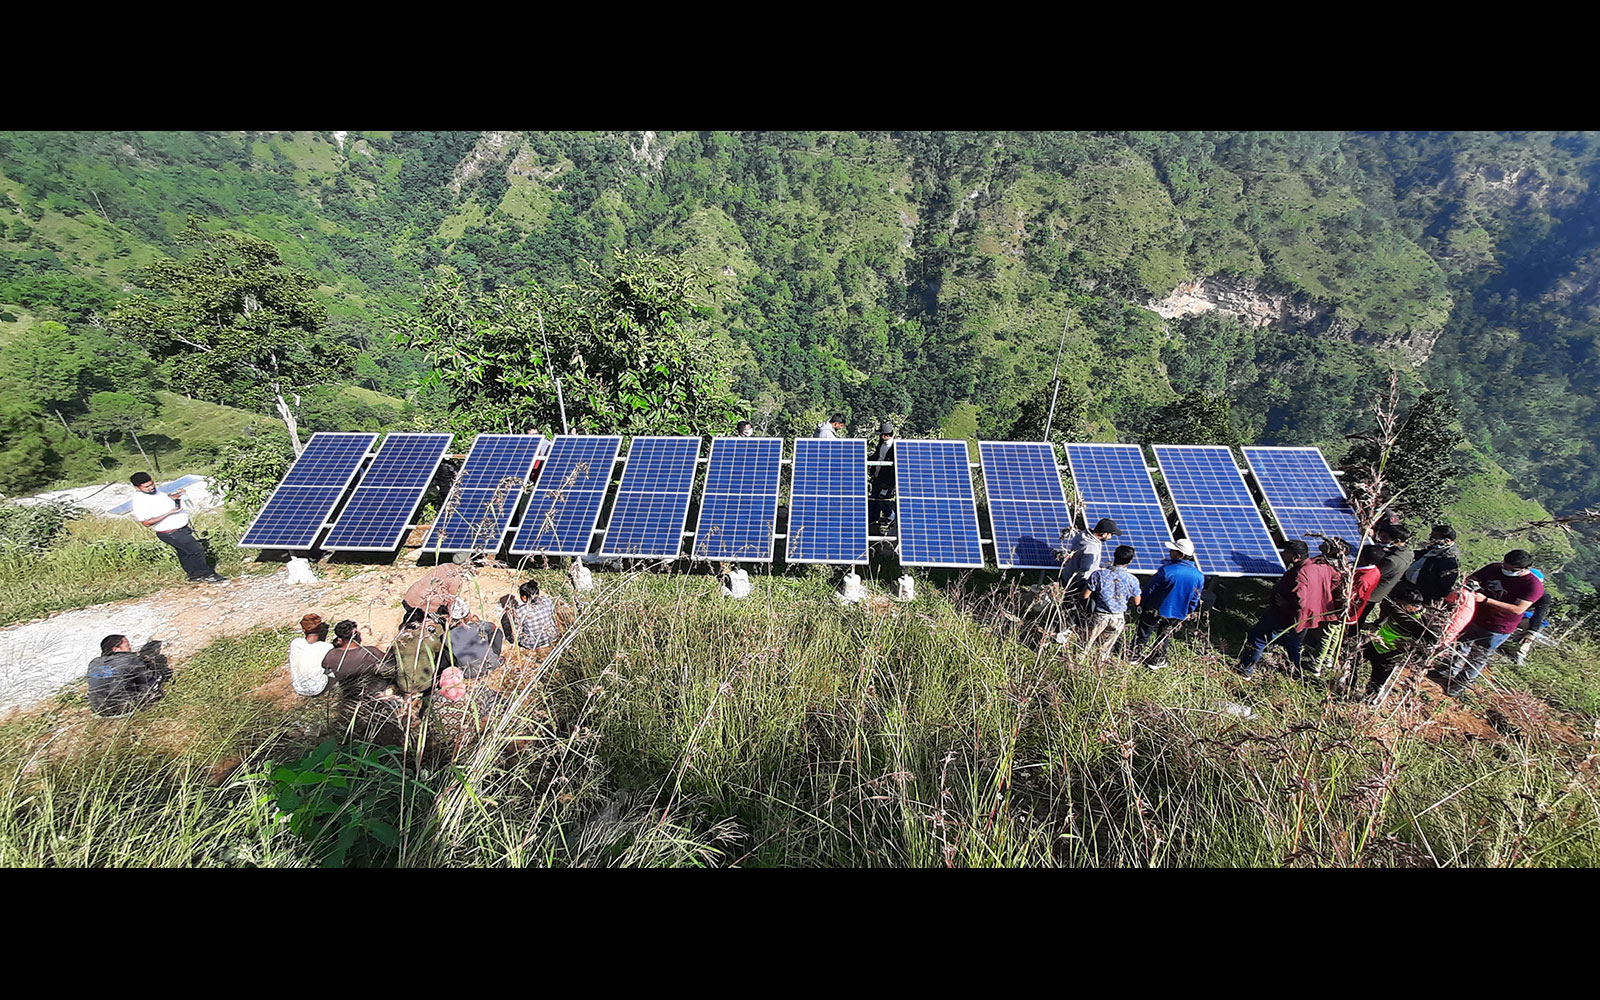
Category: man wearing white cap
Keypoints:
(1170, 595)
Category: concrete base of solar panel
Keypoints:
(935, 510)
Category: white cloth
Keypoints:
(825, 430)
(737, 585)
(148, 505)
(305, 666)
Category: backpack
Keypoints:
(416, 656)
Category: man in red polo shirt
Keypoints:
(1506, 590)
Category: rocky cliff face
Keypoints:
(1257, 303)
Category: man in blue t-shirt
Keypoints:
(1109, 591)
(1170, 596)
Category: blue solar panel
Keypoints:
(937, 511)
(1113, 481)
(741, 499)
(1302, 493)
(566, 502)
(478, 511)
(378, 513)
(1027, 506)
(1216, 510)
(294, 515)
(828, 502)
(653, 498)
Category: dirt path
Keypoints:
(39, 658)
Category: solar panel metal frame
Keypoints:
(1246, 510)
(914, 499)
(1008, 514)
(439, 540)
(1141, 512)
(415, 485)
(1298, 520)
(546, 487)
(629, 499)
(725, 497)
(335, 493)
(811, 508)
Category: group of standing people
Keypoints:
(1170, 596)
(1392, 584)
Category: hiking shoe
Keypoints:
(214, 578)
(1157, 665)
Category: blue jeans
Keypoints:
(1475, 645)
(1272, 628)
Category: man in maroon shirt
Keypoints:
(1506, 589)
(1302, 600)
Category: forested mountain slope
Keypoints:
(923, 277)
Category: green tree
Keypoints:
(120, 413)
(1194, 418)
(28, 459)
(625, 345)
(249, 468)
(236, 321)
(44, 368)
(1419, 470)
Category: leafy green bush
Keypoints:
(35, 527)
(348, 803)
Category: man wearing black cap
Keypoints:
(881, 508)
(1080, 553)
(166, 515)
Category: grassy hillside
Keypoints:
(913, 275)
(680, 730)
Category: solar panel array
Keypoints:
(828, 502)
(653, 498)
(740, 502)
(937, 506)
(1113, 481)
(378, 513)
(478, 512)
(1027, 506)
(295, 513)
(565, 504)
(1216, 510)
(1302, 493)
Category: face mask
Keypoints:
(1513, 572)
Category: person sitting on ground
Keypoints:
(533, 617)
(1435, 567)
(832, 427)
(473, 646)
(122, 681)
(1109, 592)
(1169, 597)
(743, 429)
(1506, 590)
(1302, 600)
(305, 657)
(1080, 553)
(433, 593)
(350, 662)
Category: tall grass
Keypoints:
(103, 559)
(675, 728)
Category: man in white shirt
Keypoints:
(832, 427)
(166, 515)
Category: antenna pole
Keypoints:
(1057, 390)
(561, 402)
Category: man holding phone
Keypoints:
(164, 512)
